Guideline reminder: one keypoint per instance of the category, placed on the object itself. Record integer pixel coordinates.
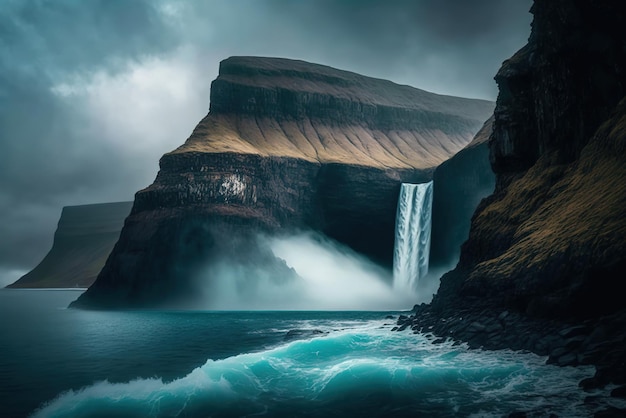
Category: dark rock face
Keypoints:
(82, 242)
(268, 191)
(551, 240)
(558, 89)
(287, 146)
(459, 185)
(358, 206)
(547, 250)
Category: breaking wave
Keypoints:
(365, 370)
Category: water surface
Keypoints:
(58, 362)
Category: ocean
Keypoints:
(59, 362)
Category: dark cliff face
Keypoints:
(270, 191)
(82, 242)
(358, 206)
(286, 146)
(558, 89)
(459, 185)
(551, 239)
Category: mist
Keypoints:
(328, 276)
(8, 276)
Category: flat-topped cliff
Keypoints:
(287, 108)
(83, 240)
(287, 145)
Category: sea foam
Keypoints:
(366, 370)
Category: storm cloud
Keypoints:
(93, 92)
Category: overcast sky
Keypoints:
(93, 92)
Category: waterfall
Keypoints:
(412, 243)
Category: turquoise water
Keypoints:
(58, 362)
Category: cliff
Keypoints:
(460, 183)
(286, 145)
(82, 242)
(543, 266)
(551, 240)
(287, 108)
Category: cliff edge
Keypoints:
(288, 108)
(82, 242)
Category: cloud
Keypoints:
(62, 146)
(92, 93)
(450, 47)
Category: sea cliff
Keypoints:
(543, 265)
(287, 145)
(82, 242)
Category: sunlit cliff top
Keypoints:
(281, 107)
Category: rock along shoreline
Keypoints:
(600, 342)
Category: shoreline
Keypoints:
(599, 341)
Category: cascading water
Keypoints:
(412, 243)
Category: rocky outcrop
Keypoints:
(460, 183)
(83, 240)
(286, 145)
(551, 240)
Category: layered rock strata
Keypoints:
(287, 145)
(82, 242)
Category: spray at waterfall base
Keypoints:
(329, 275)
